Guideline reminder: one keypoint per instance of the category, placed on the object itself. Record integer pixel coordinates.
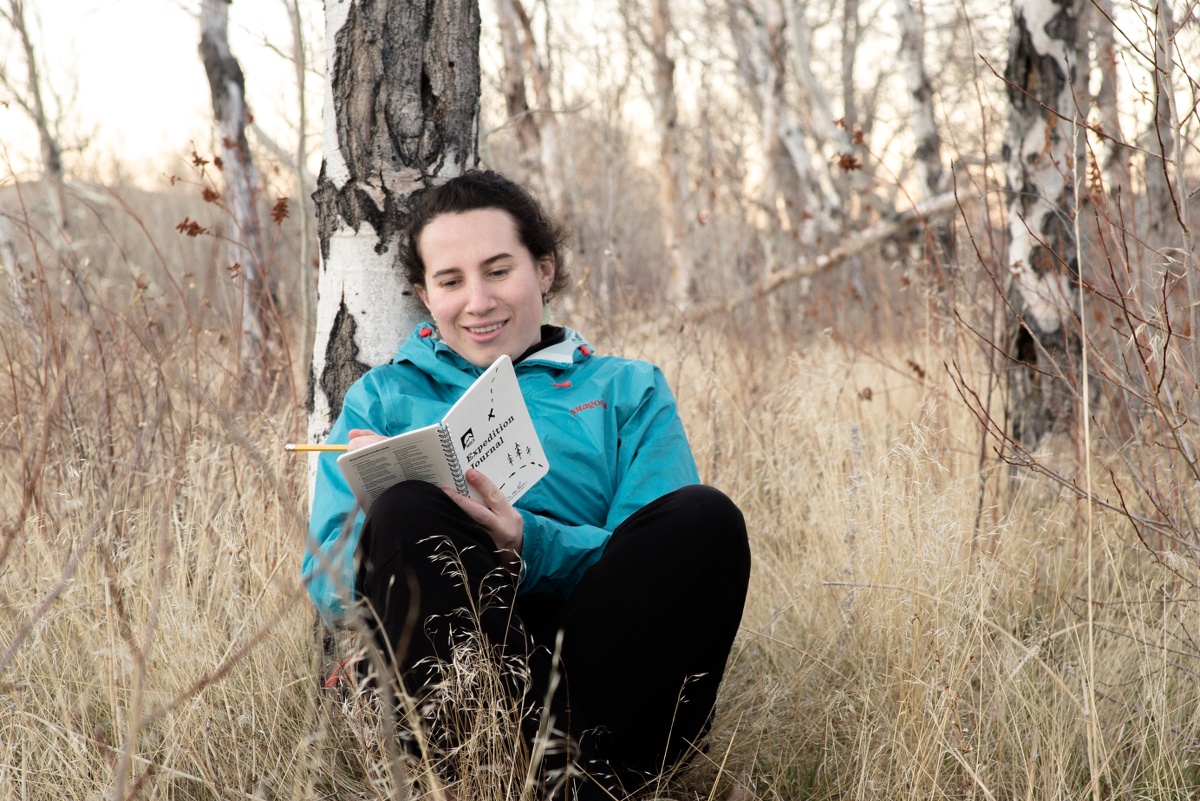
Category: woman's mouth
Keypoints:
(484, 330)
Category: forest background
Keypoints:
(921, 276)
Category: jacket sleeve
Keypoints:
(333, 528)
(652, 459)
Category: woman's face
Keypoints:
(482, 286)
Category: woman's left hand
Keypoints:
(497, 516)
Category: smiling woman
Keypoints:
(618, 550)
(484, 288)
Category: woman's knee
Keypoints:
(695, 530)
(715, 522)
(405, 500)
(402, 519)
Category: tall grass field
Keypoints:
(925, 620)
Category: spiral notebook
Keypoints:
(488, 429)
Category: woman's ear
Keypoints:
(547, 267)
(422, 294)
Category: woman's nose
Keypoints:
(479, 299)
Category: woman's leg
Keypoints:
(649, 628)
(430, 581)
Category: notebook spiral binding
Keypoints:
(460, 480)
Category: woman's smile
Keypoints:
(486, 329)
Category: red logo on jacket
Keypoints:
(583, 407)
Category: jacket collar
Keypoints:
(573, 348)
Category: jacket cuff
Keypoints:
(532, 547)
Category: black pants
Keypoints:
(646, 633)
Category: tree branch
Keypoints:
(922, 213)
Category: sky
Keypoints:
(132, 84)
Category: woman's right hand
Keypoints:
(361, 438)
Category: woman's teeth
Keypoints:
(487, 329)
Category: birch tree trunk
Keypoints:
(790, 177)
(553, 157)
(401, 114)
(1162, 214)
(303, 176)
(928, 151)
(10, 267)
(850, 31)
(1169, 225)
(1115, 163)
(1042, 256)
(814, 101)
(244, 248)
(31, 102)
(672, 165)
(529, 149)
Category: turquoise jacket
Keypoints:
(609, 427)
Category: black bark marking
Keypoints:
(342, 367)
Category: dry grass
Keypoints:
(907, 635)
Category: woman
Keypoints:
(641, 569)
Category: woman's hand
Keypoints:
(361, 438)
(497, 516)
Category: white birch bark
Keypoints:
(553, 155)
(814, 100)
(516, 103)
(1042, 259)
(397, 119)
(761, 44)
(672, 164)
(1115, 162)
(244, 247)
(1160, 139)
(850, 35)
(303, 176)
(1169, 224)
(10, 266)
(920, 89)
(927, 153)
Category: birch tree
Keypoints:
(813, 100)
(1162, 213)
(303, 177)
(553, 155)
(1115, 162)
(928, 150)
(244, 243)
(512, 83)
(29, 98)
(401, 113)
(1169, 224)
(791, 175)
(539, 138)
(1043, 263)
(672, 161)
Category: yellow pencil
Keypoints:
(295, 448)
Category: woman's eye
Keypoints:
(500, 272)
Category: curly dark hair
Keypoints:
(487, 189)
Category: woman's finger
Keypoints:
(475, 510)
(496, 515)
(361, 437)
(492, 495)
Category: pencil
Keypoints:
(297, 448)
